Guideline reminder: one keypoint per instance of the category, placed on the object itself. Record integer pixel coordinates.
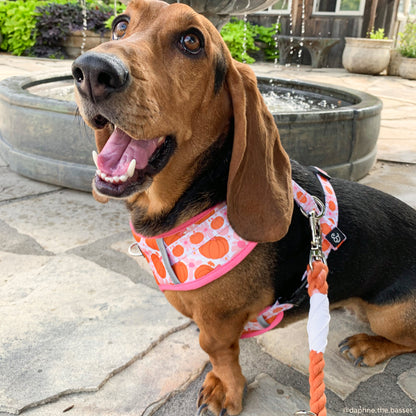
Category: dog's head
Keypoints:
(158, 96)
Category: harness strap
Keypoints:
(206, 247)
(328, 222)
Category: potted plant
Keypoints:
(407, 49)
(59, 29)
(369, 55)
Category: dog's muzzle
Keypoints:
(98, 75)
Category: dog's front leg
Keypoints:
(223, 388)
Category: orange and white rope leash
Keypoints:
(318, 320)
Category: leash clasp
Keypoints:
(304, 413)
(314, 216)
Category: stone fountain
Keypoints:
(220, 11)
(41, 136)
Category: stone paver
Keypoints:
(14, 186)
(68, 325)
(65, 219)
(407, 381)
(2, 163)
(267, 397)
(138, 391)
(83, 328)
(341, 376)
(396, 179)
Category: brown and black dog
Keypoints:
(166, 93)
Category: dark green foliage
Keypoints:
(241, 40)
(267, 35)
(55, 22)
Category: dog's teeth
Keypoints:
(161, 140)
(95, 157)
(117, 179)
(131, 168)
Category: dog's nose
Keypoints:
(98, 75)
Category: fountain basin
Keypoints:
(220, 11)
(44, 139)
(341, 140)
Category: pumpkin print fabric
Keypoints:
(206, 247)
(199, 251)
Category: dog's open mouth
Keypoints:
(125, 164)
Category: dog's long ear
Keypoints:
(259, 195)
(101, 137)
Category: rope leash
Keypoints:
(318, 320)
(318, 325)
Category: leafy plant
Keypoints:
(120, 7)
(17, 21)
(239, 38)
(56, 21)
(267, 35)
(378, 34)
(407, 46)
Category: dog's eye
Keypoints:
(192, 42)
(120, 27)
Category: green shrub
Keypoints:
(378, 34)
(235, 36)
(17, 21)
(407, 46)
(120, 8)
(267, 35)
(35, 27)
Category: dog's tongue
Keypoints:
(121, 149)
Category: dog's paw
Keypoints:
(214, 397)
(365, 350)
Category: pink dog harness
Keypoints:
(206, 247)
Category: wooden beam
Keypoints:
(372, 16)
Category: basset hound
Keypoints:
(185, 139)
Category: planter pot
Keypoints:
(366, 56)
(73, 43)
(407, 68)
(394, 64)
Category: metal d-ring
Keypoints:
(320, 205)
(134, 250)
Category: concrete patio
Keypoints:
(85, 331)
